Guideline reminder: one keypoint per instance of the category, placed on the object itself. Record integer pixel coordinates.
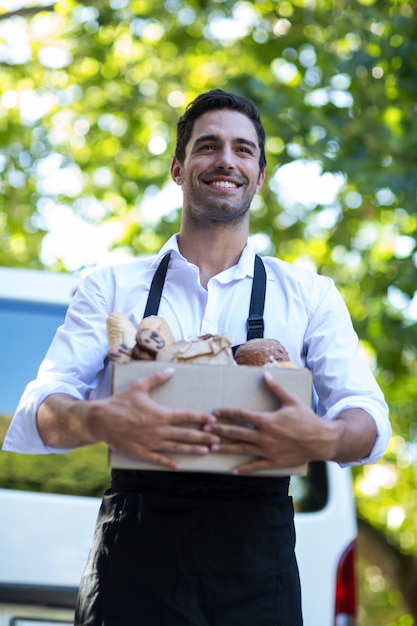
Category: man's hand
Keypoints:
(134, 424)
(292, 435)
(129, 422)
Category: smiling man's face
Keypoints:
(220, 173)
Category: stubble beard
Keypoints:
(205, 211)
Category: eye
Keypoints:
(244, 149)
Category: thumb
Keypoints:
(285, 397)
(157, 378)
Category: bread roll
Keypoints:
(150, 341)
(153, 335)
(157, 324)
(261, 352)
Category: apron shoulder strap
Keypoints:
(255, 322)
(157, 285)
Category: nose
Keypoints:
(225, 158)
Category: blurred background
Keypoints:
(89, 99)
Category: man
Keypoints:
(176, 548)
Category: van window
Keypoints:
(26, 330)
(310, 493)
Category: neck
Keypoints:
(212, 250)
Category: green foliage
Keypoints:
(82, 472)
(378, 603)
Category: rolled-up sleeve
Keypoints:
(342, 377)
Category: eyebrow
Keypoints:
(239, 140)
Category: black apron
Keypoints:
(193, 549)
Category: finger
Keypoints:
(225, 447)
(260, 465)
(235, 432)
(179, 416)
(163, 461)
(175, 447)
(240, 417)
(257, 465)
(190, 436)
(150, 456)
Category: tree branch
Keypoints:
(25, 11)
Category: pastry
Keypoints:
(212, 349)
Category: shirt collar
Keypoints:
(170, 246)
(243, 268)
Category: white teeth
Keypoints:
(223, 183)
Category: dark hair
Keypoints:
(211, 101)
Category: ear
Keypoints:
(176, 171)
(261, 179)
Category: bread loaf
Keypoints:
(121, 334)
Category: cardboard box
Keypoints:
(205, 388)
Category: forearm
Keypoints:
(64, 422)
(128, 421)
(355, 435)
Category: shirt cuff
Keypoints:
(23, 435)
(379, 413)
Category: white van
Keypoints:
(45, 538)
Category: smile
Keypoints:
(223, 184)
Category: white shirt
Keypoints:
(302, 310)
